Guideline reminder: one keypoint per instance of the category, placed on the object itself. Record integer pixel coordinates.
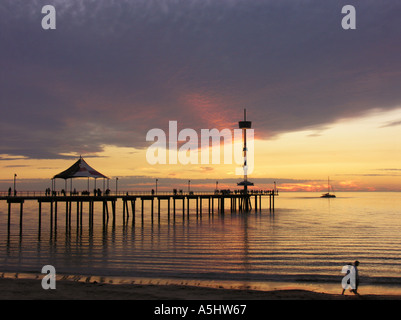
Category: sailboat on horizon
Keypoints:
(328, 194)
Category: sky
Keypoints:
(323, 101)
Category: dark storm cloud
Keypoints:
(112, 70)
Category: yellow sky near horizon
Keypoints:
(357, 154)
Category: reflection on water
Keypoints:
(306, 240)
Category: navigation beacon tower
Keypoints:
(246, 203)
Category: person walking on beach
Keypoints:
(356, 264)
(352, 278)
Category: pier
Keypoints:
(240, 200)
(74, 205)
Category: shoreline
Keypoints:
(28, 287)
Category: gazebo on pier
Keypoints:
(80, 169)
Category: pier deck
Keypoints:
(237, 201)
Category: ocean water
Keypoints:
(305, 242)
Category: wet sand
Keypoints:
(31, 289)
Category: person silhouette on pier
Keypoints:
(9, 192)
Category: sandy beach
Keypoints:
(30, 289)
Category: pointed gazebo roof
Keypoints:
(79, 169)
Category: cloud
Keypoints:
(112, 70)
(391, 124)
(17, 166)
(383, 172)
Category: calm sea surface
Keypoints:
(307, 240)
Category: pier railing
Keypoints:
(27, 194)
